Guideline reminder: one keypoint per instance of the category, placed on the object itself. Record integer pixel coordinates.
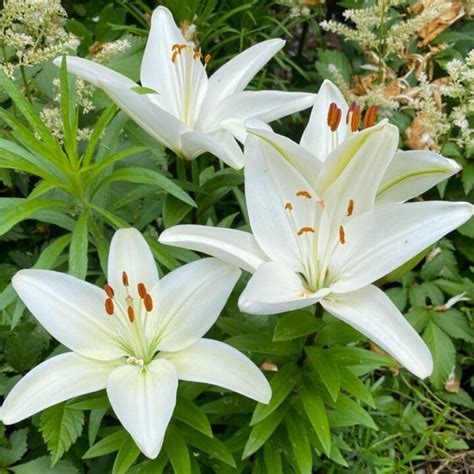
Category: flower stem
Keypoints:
(25, 82)
(311, 338)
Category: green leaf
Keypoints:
(316, 412)
(177, 451)
(352, 384)
(282, 384)
(296, 324)
(79, 247)
(143, 90)
(43, 466)
(349, 413)
(126, 456)
(263, 430)
(443, 352)
(418, 317)
(17, 448)
(262, 344)
(272, 458)
(327, 369)
(174, 211)
(298, 439)
(189, 413)
(107, 445)
(330, 58)
(454, 323)
(351, 356)
(60, 427)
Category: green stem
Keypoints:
(311, 338)
(380, 46)
(25, 82)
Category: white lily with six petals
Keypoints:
(136, 339)
(319, 235)
(191, 113)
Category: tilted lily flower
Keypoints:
(136, 338)
(191, 113)
(328, 245)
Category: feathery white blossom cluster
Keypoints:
(107, 51)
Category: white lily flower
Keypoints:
(191, 113)
(136, 339)
(323, 240)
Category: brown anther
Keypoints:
(350, 208)
(109, 291)
(332, 109)
(197, 55)
(349, 110)
(207, 58)
(334, 116)
(289, 206)
(148, 302)
(174, 56)
(131, 314)
(305, 194)
(355, 119)
(370, 116)
(109, 306)
(342, 235)
(141, 290)
(305, 229)
(178, 47)
(337, 120)
(125, 279)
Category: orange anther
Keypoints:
(131, 314)
(148, 302)
(350, 208)
(331, 111)
(109, 291)
(289, 206)
(349, 110)
(342, 235)
(207, 58)
(355, 119)
(174, 56)
(197, 55)
(305, 229)
(334, 116)
(305, 194)
(109, 306)
(141, 290)
(124, 279)
(370, 116)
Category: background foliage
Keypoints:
(73, 169)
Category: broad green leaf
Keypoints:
(95, 419)
(352, 384)
(42, 465)
(272, 458)
(177, 451)
(263, 430)
(60, 427)
(349, 413)
(126, 456)
(79, 247)
(357, 356)
(327, 369)
(107, 445)
(174, 211)
(454, 323)
(189, 413)
(263, 344)
(316, 412)
(282, 384)
(68, 111)
(17, 447)
(296, 324)
(298, 439)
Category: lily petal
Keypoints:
(277, 210)
(130, 253)
(232, 246)
(216, 363)
(411, 173)
(143, 400)
(317, 136)
(379, 241)
(71, 310)
(189, 300)
(57, 379)
(220, 143)
(370, 311)
(274, 288)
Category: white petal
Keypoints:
(141, 108)
(93, 72)
(130, 253)
(370, 311)
(143, 400)
(189, 300)
(71, 310)
(220, 143)
(306, 163)
(411, 173)
(233, 246)
(239, 127)
(57, 379)
(275, 288)
(317, 135)
(235, 75)
(216, 363)
(379, 241)
(271, 183)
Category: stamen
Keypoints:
(370, 116)
(109, 291)
(350, 208)
(342, 235)
(197, 55)
(305, 194)
(109, 306)
(350, 110)
(148, 302)
(207, 58)
(174, 56)
(355, 119)
(124, 279)
(131, 314)
(337, 120)
(141, 290)
(320, 204)
(289, 206)
(305, 229)
(332, 109)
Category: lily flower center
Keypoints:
(130, 316)
(190, 66)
